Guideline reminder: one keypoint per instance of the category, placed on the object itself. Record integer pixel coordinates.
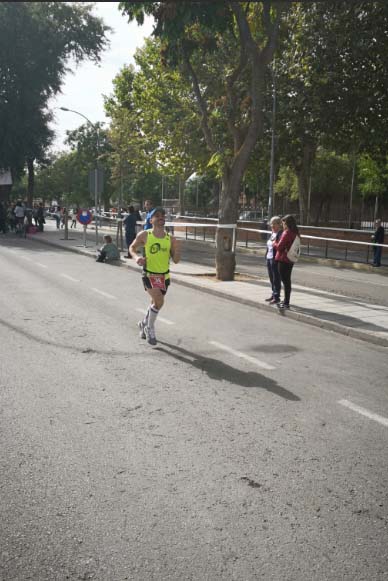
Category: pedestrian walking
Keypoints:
(378, 238)
(159, 248)
(282, 247)
(272, 265)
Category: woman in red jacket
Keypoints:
(290, 232)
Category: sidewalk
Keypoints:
(345, 315)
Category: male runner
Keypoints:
(159, 246)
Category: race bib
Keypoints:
(157, 281)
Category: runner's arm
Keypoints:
(139, 241)
(175, 250)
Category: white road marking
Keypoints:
(161, 319)
(26, 258)
(253, 360)
(100, 292)
(69, 277)
(41, 265)
(364, 412)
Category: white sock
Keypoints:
(152, 314)
(145, 320)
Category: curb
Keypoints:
(326, 325)
(294, 315)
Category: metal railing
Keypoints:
(314, 246)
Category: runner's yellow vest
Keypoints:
(157, 253)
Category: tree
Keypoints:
(153, 125)
(332, 88)
(36, 41)
(223, 50)
(373, 179)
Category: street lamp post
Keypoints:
(95, 128)
(272, 162)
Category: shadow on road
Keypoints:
(220, 371)
(340, 319)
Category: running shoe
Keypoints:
(274, 301)
(142, 328)
(283, 306)
(269, 299)
(150, 334)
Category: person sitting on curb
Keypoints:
(108, 251)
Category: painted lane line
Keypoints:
(41, 265)
(100, 292)
(253, 360)
(69, 277)
(161, 319)
(364, 412)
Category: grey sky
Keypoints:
(84, 89)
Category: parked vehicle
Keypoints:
(251, 215)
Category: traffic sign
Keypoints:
(84, 217)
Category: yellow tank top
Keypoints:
(157, 253)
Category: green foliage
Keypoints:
(286, 184)
(153, 124)
(199, 193)
(36, 40)
(372, 176)
(331, 175)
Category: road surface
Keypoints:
(245, 446)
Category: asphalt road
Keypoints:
(232, 451)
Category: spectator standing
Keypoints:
(64, 217)
(35, 214)
(149, 207)
(281, 247)
(11, 218)
(378, 238)
(3, 219)
(74, 219)
(40, 217)
(130, 228)
(19, 212)
(272, 265)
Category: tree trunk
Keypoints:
(181, 184)
(319, 211)
(228, 214)
(303, 170)
(376, 210)
(31, 181)
(303, 192)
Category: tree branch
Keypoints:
(201, 103)
(232, 99)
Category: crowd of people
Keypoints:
(16, 216)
